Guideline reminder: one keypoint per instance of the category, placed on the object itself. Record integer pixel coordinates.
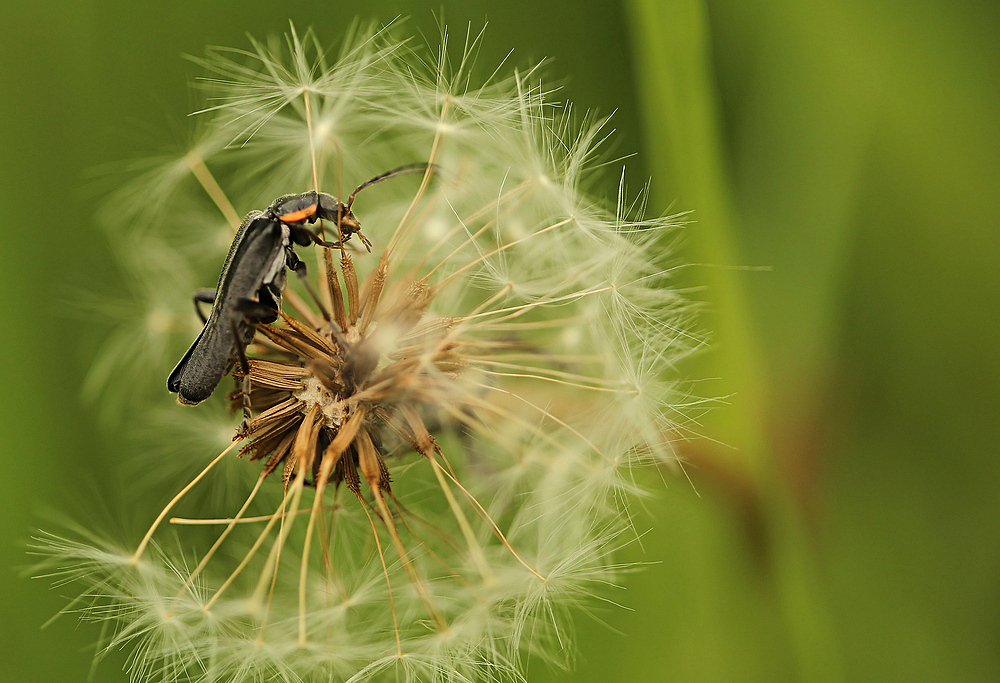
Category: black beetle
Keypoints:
(253, 279)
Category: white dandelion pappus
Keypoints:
(447, 436)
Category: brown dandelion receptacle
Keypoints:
(331, 392)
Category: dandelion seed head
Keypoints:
(435, 466)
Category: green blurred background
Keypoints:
(849, 528)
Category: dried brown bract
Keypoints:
(331, 393)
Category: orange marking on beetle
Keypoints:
(300, 215)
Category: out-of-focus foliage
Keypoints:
(848, 530)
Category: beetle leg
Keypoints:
(241, 354)
(338, 244)
(293, 262)
(255, 311)
(303, 236)
(203, 296)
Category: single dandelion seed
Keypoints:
(445, 430)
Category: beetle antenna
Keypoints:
(402, 170)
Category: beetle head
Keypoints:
(332, 209)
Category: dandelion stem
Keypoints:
(222, 536)
(209, 184)
(554, 380)
(312, 142)
(501, 293)
(423, 183)
(190, 521)
(404, 513)
(276, 548)
(173, 501)
(249, 555)
(545, 413)
(556, 373)
(374, 472)
(419, 585)
(326, 538)
(517, 311)
(331, 456)
(463, 523)
(385, 572)
(302, 455)
(468, 240)
(481, 511)
(500, 249)
(469, 219)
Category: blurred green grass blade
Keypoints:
(678, 95)
(678, 98)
